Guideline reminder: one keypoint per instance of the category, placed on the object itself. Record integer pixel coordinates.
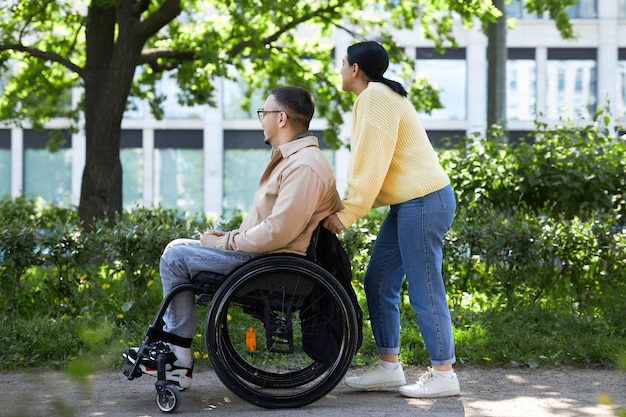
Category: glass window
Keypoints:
(245, 157)
(622, 9)
(583, 9)
(132, 174)
(47, 174)
(516, 9)
(447, 73)
(172, 109)
(445, 138)
(571, 83)
(179, 170)
(522, 84)
(621, 86)
(131, 156)
(242, 170)
(5, 162)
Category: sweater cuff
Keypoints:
(221, 241)
(347, 219)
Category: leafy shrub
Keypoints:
(50, 265)
(522, 260)
(563, 171)
(539, 222)
(129, 253)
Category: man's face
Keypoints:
(269, 122)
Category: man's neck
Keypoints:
(302, 135)
(291, 138)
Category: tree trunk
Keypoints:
(496, 73)
(109, 73)
(101, 188)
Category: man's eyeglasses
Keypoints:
(261, 113)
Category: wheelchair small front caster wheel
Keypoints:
(168, 398)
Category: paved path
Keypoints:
(561, 392)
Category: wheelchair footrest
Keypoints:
(131, 371)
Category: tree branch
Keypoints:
(161, 17)
(151, 57)
(350, 32)
(47, 56)
(141, 6)
(29, 20)
(291, 25)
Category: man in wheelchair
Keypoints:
(296, 191)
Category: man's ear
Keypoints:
(282, 119)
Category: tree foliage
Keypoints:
(556, 11)
(116, 49)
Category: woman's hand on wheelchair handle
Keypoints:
(333, 224)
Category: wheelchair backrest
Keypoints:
(326, 250)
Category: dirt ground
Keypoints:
(560, 392)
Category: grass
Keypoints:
(538, 339)
(529, 338)
(494, 338)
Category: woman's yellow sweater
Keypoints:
(392, 158)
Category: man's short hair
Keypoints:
(297, 103)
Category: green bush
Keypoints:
(522, 260)
(128, 256)
(560, 172)
(51, 266)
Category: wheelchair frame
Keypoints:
(292, 302)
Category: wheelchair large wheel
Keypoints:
(281, 332)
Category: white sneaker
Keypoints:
(378, 378)
(432, 385)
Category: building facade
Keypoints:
(210, 159)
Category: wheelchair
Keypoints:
(281, 330)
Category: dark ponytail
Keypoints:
(373, 60)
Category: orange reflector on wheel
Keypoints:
(251, 339)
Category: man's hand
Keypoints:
(333, 224)
(209, 238)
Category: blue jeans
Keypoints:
(410, 242)
(182, 259)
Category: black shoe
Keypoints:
(178, 375)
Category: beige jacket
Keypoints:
(296, 191)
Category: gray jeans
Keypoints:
(182, 259)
